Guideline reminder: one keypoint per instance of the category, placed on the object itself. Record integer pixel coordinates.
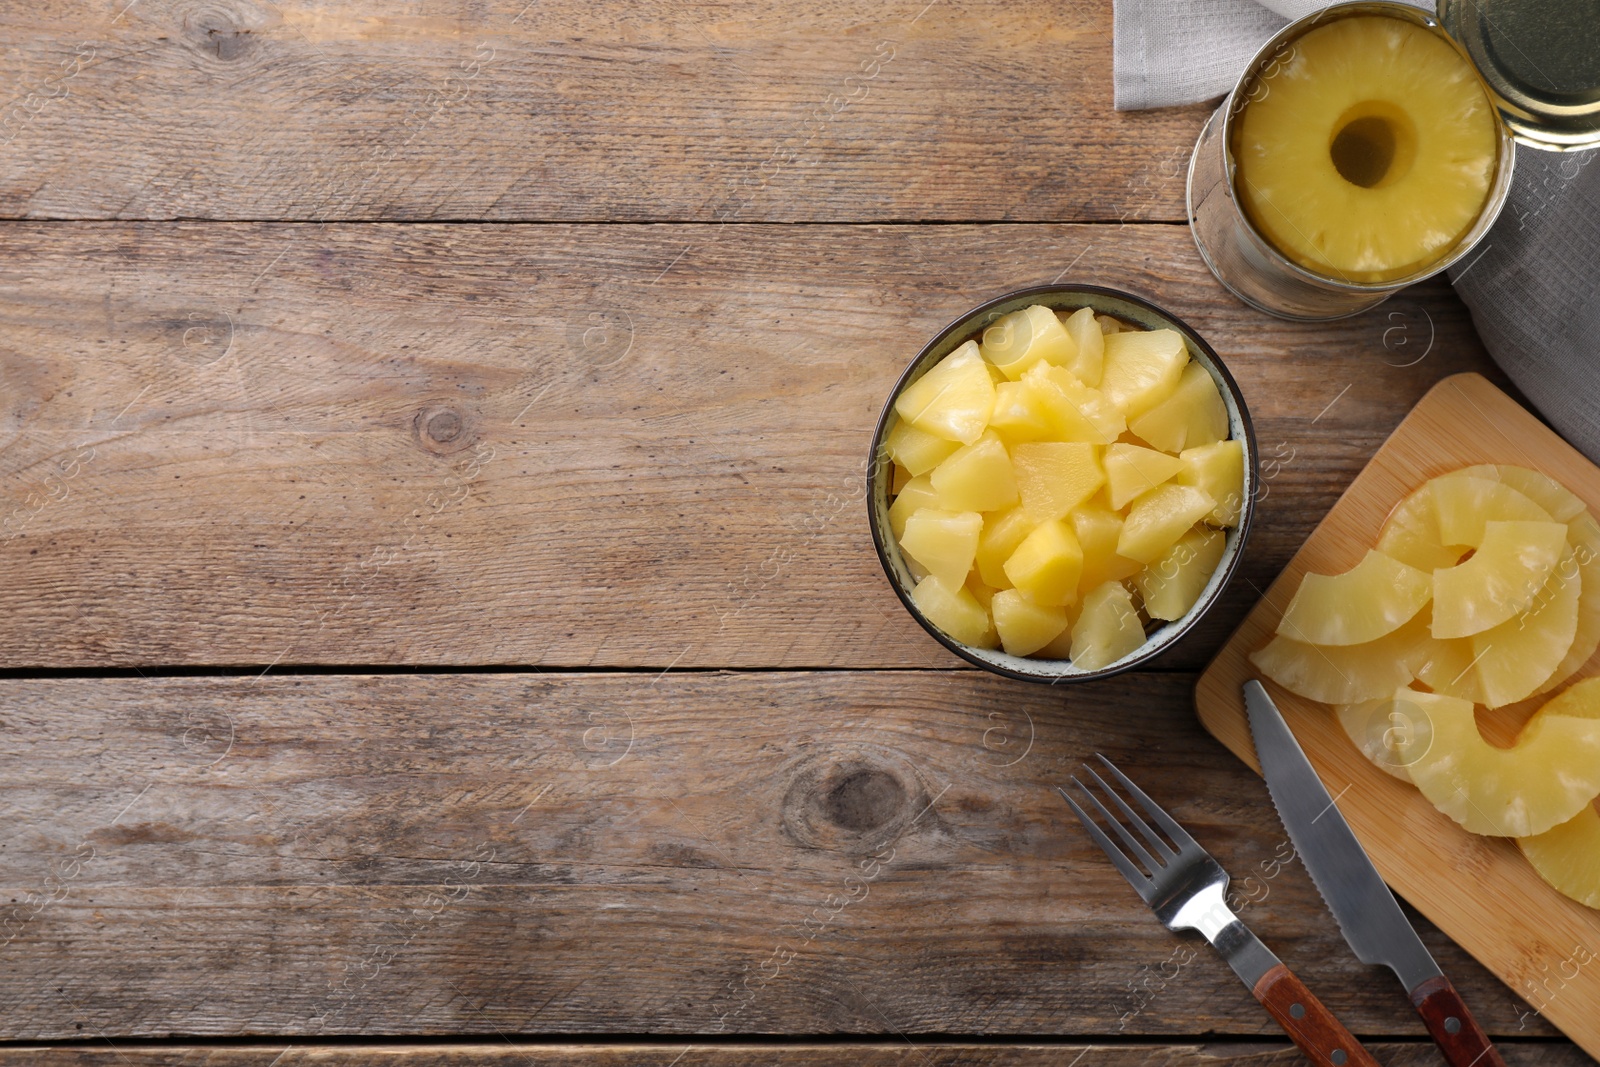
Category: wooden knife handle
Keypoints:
(1314, 1029)
(1454, 1030)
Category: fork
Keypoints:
(1187, 888)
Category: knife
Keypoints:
(1369, 918)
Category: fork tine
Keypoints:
(1166, 851)
(1133, 874)
(1151, 863)
(1179, 835)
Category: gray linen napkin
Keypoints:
(1533, 285)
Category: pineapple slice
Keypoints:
(1098, 529)
(1159, 518)
(1545, 779)
(1568, 856)
(1025, 627)
(943, 542)
(1392, 732)
(1462, 505)
(1131, 470)
(954, 610)
(1500, 579)
(1411, 534)
(1367, 151)
(1047, 564)
(1107, 629)
(1171, 585)
(1019, 340)
(1373, 598)
(1516, 657)
(1077, 412)
(954, 399)
(1053, 477)
(1447, 668)
(978, 477)
(917, 494)
(1192, 416)
(1020, 414)
(1343, 674)
(918, 451)
(1142, 368)
(1562, 504)
(1584, 535)
(1218, 469)
(1085, 331)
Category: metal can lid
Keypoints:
(1541, 60)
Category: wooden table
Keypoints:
(439, 619)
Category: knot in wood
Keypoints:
(442, 428)
(850, 800)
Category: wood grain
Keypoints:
(1478, 889)
(704, 853)
(524, 1054)
(639, 446)
(565, 110)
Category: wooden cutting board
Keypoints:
(1478, 890)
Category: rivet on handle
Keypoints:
(1452, 1025)
(1338, 1057)
(1297, 1010)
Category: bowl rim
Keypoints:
(965, 323)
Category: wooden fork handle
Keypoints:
(1454, 1030)
(1314, 1029)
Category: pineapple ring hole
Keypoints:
(1374, 145)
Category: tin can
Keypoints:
(1557, 112)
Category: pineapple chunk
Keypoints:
(1047, 564)
(1391, 732)
(982, 592)
(1463, 505)
(1107, 629)
(1343, 674)
(1025, 627)
(1584, 535)
(1131, 470)
(1171, 585)
(1002, 533)
(1411, 534)
(1085, 331)
(954, 399)
(1499, 580)
(1019, 340)
(944, 542)
(1516, 657)
(1076, 412)
(1098, 528)
(1545, 779)
(1021, 413)
(1159, 518)
(1373, 598)
(1192, 416)
(1053, 477)
(978, 477)
(918, 451)
(955, 611)
(1142, 369)
(917, 494)
(1217, 468)
(1568, 856)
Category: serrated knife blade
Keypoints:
(1367, 913)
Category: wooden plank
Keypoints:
(566, 110)
(562, 446)
(1504, 913)
(1395, 1054)
(699, 853)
